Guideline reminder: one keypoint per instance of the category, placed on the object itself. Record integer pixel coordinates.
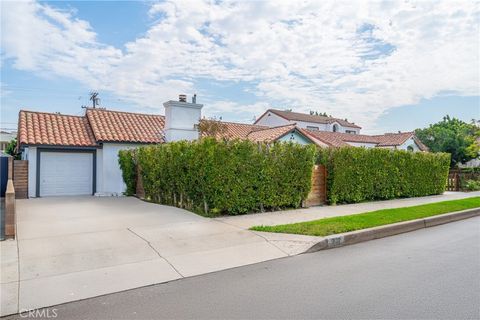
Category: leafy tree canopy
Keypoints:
(457, 137)
(316, 113)
(212, 128)
(11, 149)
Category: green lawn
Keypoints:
(327, 226)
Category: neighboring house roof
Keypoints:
(393, 139)
(296, 116)
(338, 139)
(41, 128)
(117, 126)
(234, 130)
(271, 134)
(100, 125)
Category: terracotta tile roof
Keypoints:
(329, 138)
(116, 126)
(296, 116)
(243, 131)
(270, 134)
(396, 139)
(234, 130)
(393, 139)
(338, 139)
(40, 128)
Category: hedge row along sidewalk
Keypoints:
(335, 225)
(213, 178)
(361, 174)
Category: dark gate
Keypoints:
(3, 174)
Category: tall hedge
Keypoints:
(223, 177)
(360, 174)
(127, 162)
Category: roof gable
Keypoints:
(296, 116)
(270, 134)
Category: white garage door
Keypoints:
(63, 173)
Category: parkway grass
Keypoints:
(334, 225)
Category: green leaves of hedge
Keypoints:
(126, 160)
(222, 177)
(359, 174)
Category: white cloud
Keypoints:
(310, 54)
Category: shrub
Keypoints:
(223, 177)
(471, 185)
(360, 174)
(126, 160)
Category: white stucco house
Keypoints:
(274, 117)
(78, 155)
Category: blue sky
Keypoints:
(387, 66)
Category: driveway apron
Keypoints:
(72, 248)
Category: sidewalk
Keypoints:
(75, 248)
(314, 213)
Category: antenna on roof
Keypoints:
(94, 98)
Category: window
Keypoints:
(410, 148)
(312, 128)
(351, 131)
(335, 128)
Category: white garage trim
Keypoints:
(93, 152)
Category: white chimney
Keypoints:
(181, 119)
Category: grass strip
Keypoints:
(334, 225)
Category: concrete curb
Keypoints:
(345, 239)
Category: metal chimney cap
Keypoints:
(182, 98)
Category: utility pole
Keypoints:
(94, 98)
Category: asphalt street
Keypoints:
(432, 273)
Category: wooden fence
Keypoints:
(10, 219)
(20, 178)
(456, 177)
(318, 193)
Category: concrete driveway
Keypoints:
(72, 248)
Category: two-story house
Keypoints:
(275, 118)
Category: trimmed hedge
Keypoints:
(127, 162)
(213, 177)
(359, 174)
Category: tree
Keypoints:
(212, 128)
(459, 138)
(316, 113)
(11, 149)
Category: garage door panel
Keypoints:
(65, 173)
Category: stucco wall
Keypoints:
(272, 120)
(362, 144)
(304, 125)
(342, 128)
(294, 137)
(409, 142)
(180, 120)
(109, 175)
(30, 154)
